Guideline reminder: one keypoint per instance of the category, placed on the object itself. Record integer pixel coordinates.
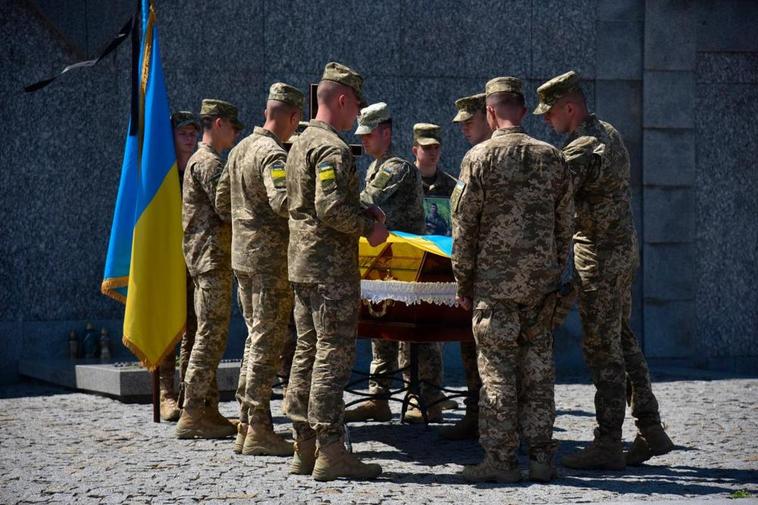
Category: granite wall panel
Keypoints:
(619, 50)
(668, 272)
(669, 99)
(670, 34)
(725, 220)
(620, 10)
(727, 25)
(669, 157)
(669, 215)
(669, 329)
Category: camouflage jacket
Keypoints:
(207, 238)
(512, 219)
(394, 185)
(442, 186)
(600, 172)
(253, 193)
(326, 217)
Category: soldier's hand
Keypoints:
(464, 301)
(376, 213)
(378, 234)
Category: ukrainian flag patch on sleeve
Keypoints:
(279, 174)
(326, 171)
(455, 198)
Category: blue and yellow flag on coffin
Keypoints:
(145, 263)
(407, 252)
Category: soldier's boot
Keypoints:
(239, 441)
(376, 410)
(169, 408)
(542, 469)
(467, 428)
(168, 400)
(219, 419)
(304, 457)
(284, 400)
(651, 440)
(602, 454)
(487, 471)
(414, 416)
(199, 423)
(333, 462)
(261, 440)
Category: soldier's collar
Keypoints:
(203, 145)
(323, 125)
(259, 130)
(507, 131)
(585, 125)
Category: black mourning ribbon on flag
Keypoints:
(122, 35)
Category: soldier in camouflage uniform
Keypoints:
(252, 193)
(472, 119)
(512, 220)
(207, 244)
(605, 259)
(185, 127)
(394, 185)
(326, 220)
(427, 144)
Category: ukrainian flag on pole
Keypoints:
(145, 263)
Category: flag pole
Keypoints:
(156, 395)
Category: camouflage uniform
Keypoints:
(467, 107)
(207, 241)
(605, 258)
(512, 212)
(326, 220)
(253, 188)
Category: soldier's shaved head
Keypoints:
(505, 109)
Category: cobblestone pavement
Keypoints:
(62, 447)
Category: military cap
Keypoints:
(183, 118)
(468, 106)
(503, 85)
(555, 89)
(287, 94)
(371, 117)
(212, 107)
(426, 134)
(343, 74)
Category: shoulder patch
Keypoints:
(455, 198)
(326, 171)
(382, 178)
(327, 175)
(279, 174)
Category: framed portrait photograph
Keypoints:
(437, 216)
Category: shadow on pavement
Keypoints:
(31, 388)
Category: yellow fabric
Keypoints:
(157, 277)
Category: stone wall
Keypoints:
(668, 74)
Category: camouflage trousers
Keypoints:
(516, 365)
(613, 354)
(471, 372)
(326, 316)
(213, 310)
(266, 306)
(168, 366)
(385, 357)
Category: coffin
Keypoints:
(408, 291)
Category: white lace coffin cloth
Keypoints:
(409, 293)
